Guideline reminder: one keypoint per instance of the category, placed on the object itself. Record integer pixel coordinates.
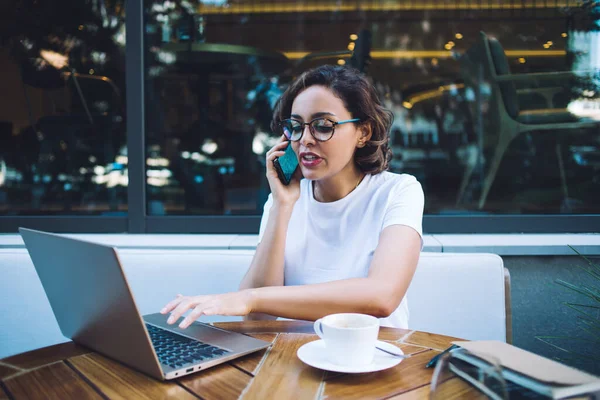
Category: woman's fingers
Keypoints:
(194, 315)
(235, 303)
(171, 305)
(211, 311)
(185, 304)
(208, 307)
(274, 155)
(279, 144)
(278, 147)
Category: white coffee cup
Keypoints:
(349, 338)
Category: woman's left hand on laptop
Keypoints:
(234, 303)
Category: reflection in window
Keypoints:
(62, 112)
(584, 55)
(477, 142)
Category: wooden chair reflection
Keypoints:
(487, 74)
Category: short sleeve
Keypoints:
(405, 205)
(265, 217)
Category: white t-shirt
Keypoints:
(333, 241)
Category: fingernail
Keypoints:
(171, 320)
(182, 325)
(164, 310)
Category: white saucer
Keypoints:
(313, 354)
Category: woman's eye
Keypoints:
(323, 128)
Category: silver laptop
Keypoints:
(93, 304)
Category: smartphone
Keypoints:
(286, 165)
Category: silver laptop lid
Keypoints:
(90, 297)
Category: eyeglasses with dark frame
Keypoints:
(480, 374)
(322, 129)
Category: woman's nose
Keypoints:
(307, 137)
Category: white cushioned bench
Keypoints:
(460, 295)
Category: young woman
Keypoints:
(347, 237)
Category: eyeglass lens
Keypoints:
(321, 129)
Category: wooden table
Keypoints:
(70, 371)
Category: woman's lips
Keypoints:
(310, 160)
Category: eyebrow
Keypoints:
(315, 115)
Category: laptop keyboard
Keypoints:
(176, 351)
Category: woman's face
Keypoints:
(324, 160)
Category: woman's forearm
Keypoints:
(267, 265)
(311, 302)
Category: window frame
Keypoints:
(136, 220)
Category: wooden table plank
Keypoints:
(267, 337)
(431, 340)
(411, 349)
(251, 362)
(54, 381)
(454, 389)
(282, 374)
(3, 395)
(219, 382)
(120, 382)
(393, 334)
(8, 370)
(44, 356)
(420, 393)
(250, 327)
(407, 375)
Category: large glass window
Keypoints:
(62, 108)
(496, 104)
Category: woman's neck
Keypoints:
(337, 187)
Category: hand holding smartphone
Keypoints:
(286, 165)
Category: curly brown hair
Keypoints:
(359, 98)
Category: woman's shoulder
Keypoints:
(392, 180)
(397, 188)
